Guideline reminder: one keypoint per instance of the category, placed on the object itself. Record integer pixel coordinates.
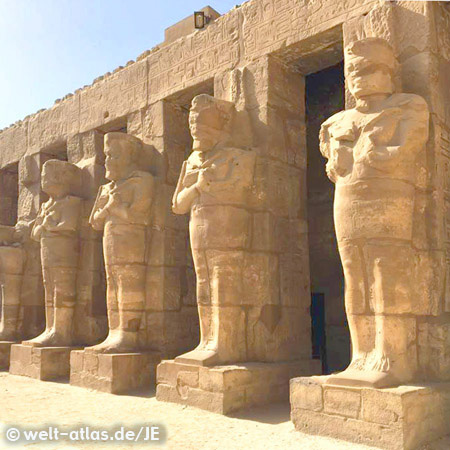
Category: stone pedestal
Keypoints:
(5, 351)
(223, 389)
(401, 418)
(43, 363)
(116, 373)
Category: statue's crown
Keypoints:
(371, 51)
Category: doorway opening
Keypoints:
(331, 341)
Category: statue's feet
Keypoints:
(364, 378)
(117, 342)
(199, 357)
(50, 338)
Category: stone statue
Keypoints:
(213, 186)
(371, 151)
(122, 210)
(57, 229)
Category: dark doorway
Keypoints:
(324, 97)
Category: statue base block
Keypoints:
(42, 363)
(401, 418)
(5, 351)
(116, 373)
(223, 389)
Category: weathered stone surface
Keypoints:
(402, 418)
(121, 93)
(114, 373)
(224, 389)
(42, 363)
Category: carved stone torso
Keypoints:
(219, 218)
(372, 160)
(126, 193)
(58, 224)
(56, 217)
(230, 172)
(377, 144)
(127, 204)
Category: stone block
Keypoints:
(306, 392)
(344, 402)
(42, 363)
(116, 373)
(400, 418)
(5, 351)
(224, 389)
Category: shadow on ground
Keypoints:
(272, 414)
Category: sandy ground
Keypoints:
(31, 403)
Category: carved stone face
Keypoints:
(369, 80)
(369, 67)
(208, 121)
(117, 161)
(54, 179)
(206, 126)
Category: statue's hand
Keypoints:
(51, 220)
(379, 155)
(204, 182)
(114, 200)
(100, 214)
(340, 163)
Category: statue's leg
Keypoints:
(361, 320)
(112, 303)
(203, 297)
(391, 281)
(126, 304)
(359, 316)
(219, 285)
(131, 297)
(228, 317)
(49, 277)
(32, 309)
(60, 299)
(65, 300)
(205, 351)
(125, 247)
(11, 265)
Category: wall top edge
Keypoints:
(103, 78)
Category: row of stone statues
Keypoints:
(371, 151)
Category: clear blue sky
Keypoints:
(49, 48)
